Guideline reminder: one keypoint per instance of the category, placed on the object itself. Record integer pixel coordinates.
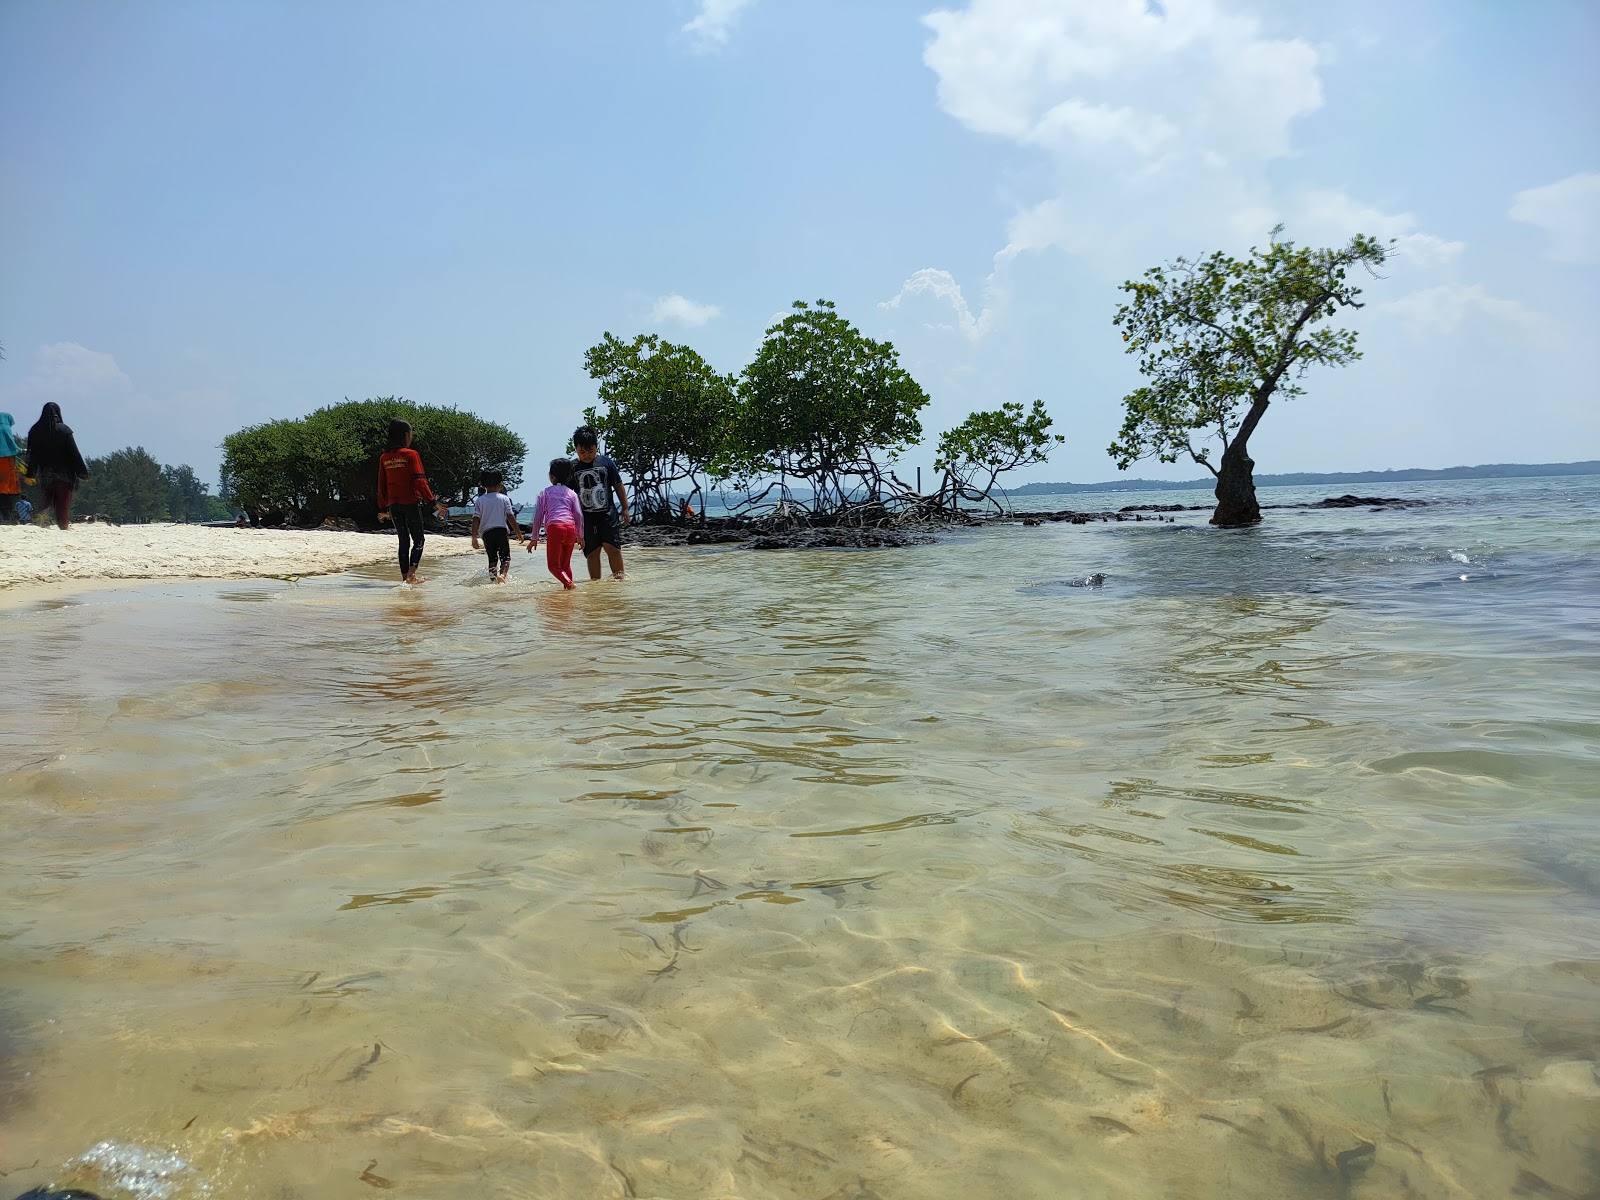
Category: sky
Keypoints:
(213, 215)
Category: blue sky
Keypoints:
(217, 214)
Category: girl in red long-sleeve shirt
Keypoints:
(402, 491)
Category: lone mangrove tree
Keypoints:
(1219, 335)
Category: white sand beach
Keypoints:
(31, 554)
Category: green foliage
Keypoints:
(129, 485)
(125, 485)
(1219, 333)
(188, 499)
(987, 444)
(821, 403)
(666, 419)
(327, 462)
(263, 467)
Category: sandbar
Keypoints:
(90, 553)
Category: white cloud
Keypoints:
(1569, 210)
(107, 411)
(1121, 73)
(66, 371)
(941, 285)
(1328, 216)
(1119, 229)
(1101, 125)
(713, 24)
(1161, 125)
(683, 311)
(1159, 121)
(1445, 308)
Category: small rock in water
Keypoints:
(1349, 501)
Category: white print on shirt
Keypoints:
(593, 491)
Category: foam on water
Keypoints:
(137, 1172)
(1263, 866)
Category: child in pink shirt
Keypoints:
(558, 512)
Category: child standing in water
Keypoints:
(402, 491)
(491, 514)
(599, 486)
(558, 511)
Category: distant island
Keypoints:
(1407, 475)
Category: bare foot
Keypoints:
(414, 578)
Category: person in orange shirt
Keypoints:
(10, 471)
(402, 491)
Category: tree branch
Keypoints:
(1189, 446)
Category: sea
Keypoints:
(1121, 860)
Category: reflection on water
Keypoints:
(1258, 870)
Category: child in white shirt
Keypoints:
(492, 514)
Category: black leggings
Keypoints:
(497, 545)
(408, 524)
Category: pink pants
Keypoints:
(559, 539)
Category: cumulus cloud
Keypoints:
(1158, 120)
(1570, 211)
(107, 411)
(64, 371)
(682, 311)
(1159, 123)
(1445, 308)
(942, 286)
(1329, 216)
(1184, 79)
(713, 25)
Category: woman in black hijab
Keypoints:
(53, 460)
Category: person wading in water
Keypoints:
(402, 491)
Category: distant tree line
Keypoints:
(815, 422)
(131, 487)
(325, 465)
(1308, 478)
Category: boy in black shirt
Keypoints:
(596, 481)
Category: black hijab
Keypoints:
(51, 446)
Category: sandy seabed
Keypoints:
(32, 554)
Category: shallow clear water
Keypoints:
(1267, 867)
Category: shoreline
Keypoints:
(42, 562)
(35, 558)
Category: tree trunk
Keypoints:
(1236, 489)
